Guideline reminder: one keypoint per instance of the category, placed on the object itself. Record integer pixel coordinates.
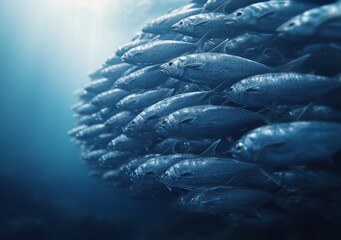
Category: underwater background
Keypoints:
(47, 48)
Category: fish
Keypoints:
(266, 17)
(318, 24)
(126, 47)
(139, 101)
(109, 98)
(157, 52)
(145, 78)
(289, 144)
(204, 172)
(129, 144)
(91, 131)
(315, 113)
(206, 24)
(208, 122)
(115, 71)
(86, 109)
(113, 159)
(164, 23)
(281, 89)
(119, 120)
(84, 95)
(144, 123)
(212, 69)
(226, 200)
(227, 6)
(173, 145)
(99, 85)
(92, 156)
(127, 169)
(151, 170)
(75, 130)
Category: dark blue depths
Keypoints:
(229, 108)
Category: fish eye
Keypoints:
(164, 121)
(181, 23)
(238, 14)
(133, 122)
(170, 64)
(239, 147)
(231, 89)
(292, 24)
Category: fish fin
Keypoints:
(293, 65)
(200, 44)
(201, 22)
(267, 13)
(152, 117)
(212, 150)
(220, 46)
(194, 65)
(274, 145)
(170, 93)
(270, 176)
(253, 90)
(187, 120)
(221, 7)
(304, 111)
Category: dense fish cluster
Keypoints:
(227, 107)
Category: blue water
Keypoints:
(47, 47)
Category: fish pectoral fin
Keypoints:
(267, 13)
(200, 22)
(274, 146)
(253, 90)
(187, 120)
(186, 174)
(193, 65)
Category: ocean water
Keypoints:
(47, 47)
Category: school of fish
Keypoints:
(229, 107)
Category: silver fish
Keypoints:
(144, 123)
(145, 78)
(163, 24)
(139, 101)
(208, 122)
(212, 69)
(281, 89)
(220, 200)
(119, 120)
(206, 24)
(289, 143)
(109, 98)
(204, 172)
(157, 52)
(266, 17)
(321, 23)
(129, 144)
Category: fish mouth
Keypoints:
(164, 69)
(175, 27)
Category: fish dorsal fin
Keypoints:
(212, 150)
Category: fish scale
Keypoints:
(228, 132)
